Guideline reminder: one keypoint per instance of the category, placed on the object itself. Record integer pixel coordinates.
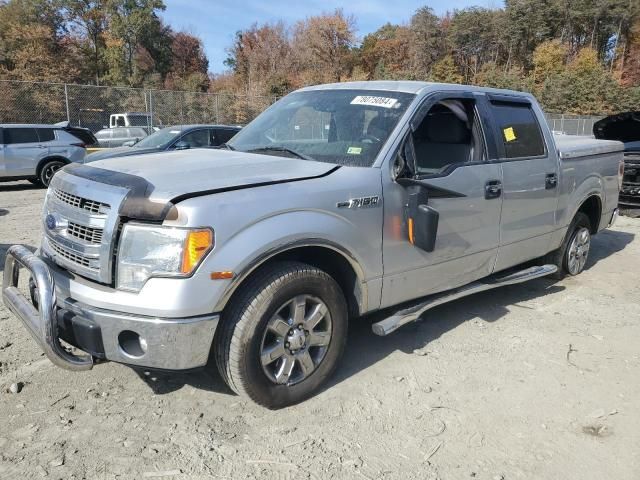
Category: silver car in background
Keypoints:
(120, 136)
(36, 152)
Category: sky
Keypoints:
(216, 22)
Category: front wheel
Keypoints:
(283, 336)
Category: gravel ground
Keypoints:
(539, 380)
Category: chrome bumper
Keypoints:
(170, 344)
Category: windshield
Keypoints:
(159, 139)
(345, 127)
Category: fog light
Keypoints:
(132, 344)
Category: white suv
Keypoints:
(35, 152)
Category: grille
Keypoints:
(80, 202)
(71, 256)
(88, 234)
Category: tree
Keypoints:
(322, 47)
(129, 21)
(426, 44)
(90, 16)
(446, 71)
(549, 59)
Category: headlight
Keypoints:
(149, 251)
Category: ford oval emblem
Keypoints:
(51, 222)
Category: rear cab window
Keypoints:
(518, 129)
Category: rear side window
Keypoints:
(518, 129)
(20, 135)
(103, 134)
(223, 135)
(45, 134)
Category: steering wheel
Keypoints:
(368, 138)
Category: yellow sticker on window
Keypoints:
(509, 134)
(354, 150)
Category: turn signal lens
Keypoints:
(411, 230)
(197, 245)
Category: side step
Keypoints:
(410, 314)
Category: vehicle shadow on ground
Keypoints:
(365, 349)
(17, 187)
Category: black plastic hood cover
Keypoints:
(624, 127)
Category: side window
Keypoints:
(222, 135)
(197, 138)
(120, 121)
(518, 129)
(20, 135)
(46, 134)
(449, 134)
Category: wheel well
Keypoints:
(49, 159)
(328, 260)
(592, 208)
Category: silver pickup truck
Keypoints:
(337, 201)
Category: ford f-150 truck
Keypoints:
(337, 201)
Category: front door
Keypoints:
(448, 153)
(530, 182)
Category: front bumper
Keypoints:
(144, 341)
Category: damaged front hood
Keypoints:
(624, 127)
(158, 181)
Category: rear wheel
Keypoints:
(283, 336)
(571, 257)
(48, 170)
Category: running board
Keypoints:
(413, 313)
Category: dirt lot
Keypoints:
(539, 380)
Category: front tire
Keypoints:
(283, 336)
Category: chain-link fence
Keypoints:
(91, 106)
(572, 124)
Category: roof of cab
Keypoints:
(410, 86)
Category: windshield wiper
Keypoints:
(281, 149)
(226, 145)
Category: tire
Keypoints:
(48, 170)
(565, 257)
(253, 348)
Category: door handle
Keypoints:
(493, 189)
(42, 146)
(551, 181)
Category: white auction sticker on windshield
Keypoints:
(384, 102)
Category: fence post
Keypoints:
(66, 102)
(217, 110)
(150, 107)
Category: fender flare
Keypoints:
(267, 255)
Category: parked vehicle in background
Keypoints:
(337, 201)
(84, 134)
(130, 119)
(119, 136)
(36, 152)
(179, 137)
(625, 127)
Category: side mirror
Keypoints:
(422, 223)
(182, 145)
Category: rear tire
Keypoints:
(48, 170)
(573, 254)
(282, 337)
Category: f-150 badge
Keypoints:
(362, 202)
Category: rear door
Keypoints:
(22, 151)
(530, 181)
